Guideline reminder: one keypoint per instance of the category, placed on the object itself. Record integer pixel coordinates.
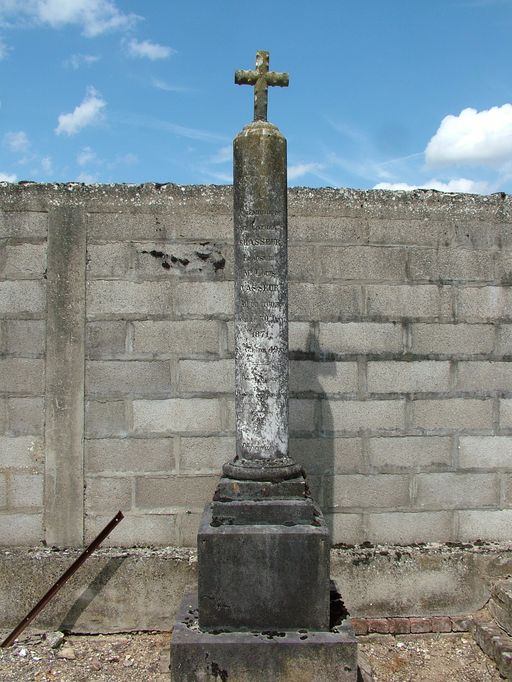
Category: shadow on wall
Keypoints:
(93, 590)
(315, 449)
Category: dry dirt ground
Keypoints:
(141, 657)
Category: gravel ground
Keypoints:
(141, 658)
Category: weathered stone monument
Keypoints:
(263, 610)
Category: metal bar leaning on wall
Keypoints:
(63, 579)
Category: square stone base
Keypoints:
(277, 656)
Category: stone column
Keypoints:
(261, 306)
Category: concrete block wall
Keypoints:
(400, 348)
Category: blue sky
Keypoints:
(383, 93)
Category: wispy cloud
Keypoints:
(93, 16)
(86, 156)
(89, 112)
(300, 169)
(454, 185)
(139, 121)
(4, 49)
(78, 60)
(7, 177)
(473, 138)
(87, 178)
(160, 84)
(145, 49)
(16, 141)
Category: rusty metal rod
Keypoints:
(63, 579)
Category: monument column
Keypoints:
(261, 291)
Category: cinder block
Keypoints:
(174, 491)
(205, 455)
(360, 337)
(25, 337)
(363, 415)
(25, 416)
(324, 302)
(452, 339)
(18, 224)
(23, 261)
(507, 490)
(106, 495)
(20, 376)
(346, 528)
(484, 377)
(406, 528)
(448, 264)
(302, 415)
(492, 526)
(407, 300)
(410, 453)
(22, 297)
(105, 261)
(106, 297)
(301, 336)
(506, 413)
(3, 491)
(318, 228)
(205, 299)
(25, 491)
(176, 415)
(213, 376)
(408, 377)
(21, 530)
(124, 225)
(105, 419)
(488, 303)
(188, 525)
(323, 377)
(423, 232)
(369, 491)
(367, 263)
(473, 233)
(485, 452)
(21, 452)
(184, 337)
(105, 339)
(116, 378)
(329, 455)
(129, 455)
(215, 226)
(136, 530)
(504, 339)
(454, 414)
(456, 491)
(301, 265)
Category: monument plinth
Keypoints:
(264, 595)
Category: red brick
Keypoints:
(441, 624)
(399, 626)
(360, 625)
(419, 625)
(380, 625)
(461, 623)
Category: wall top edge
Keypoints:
(306, 201)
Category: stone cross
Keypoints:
(261, 78)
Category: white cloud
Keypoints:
(85, 156)
(160, 84)
(7, 177)
(46, 164)
(147, 49)
(16, 142)
(94, 16)
(455, 185)
(78, 60)
(89, 112)
(473, 138)
(300, 169)
(88, 178)
(4, 49)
